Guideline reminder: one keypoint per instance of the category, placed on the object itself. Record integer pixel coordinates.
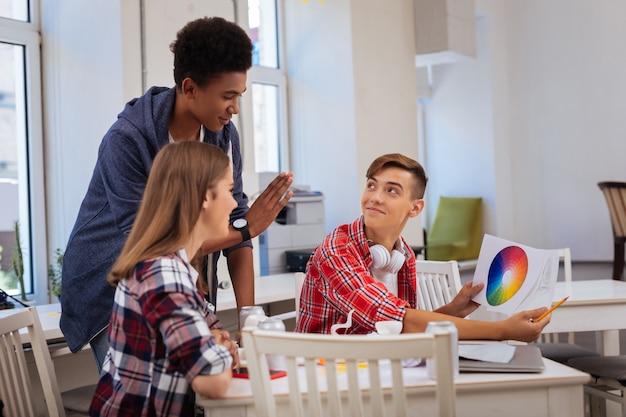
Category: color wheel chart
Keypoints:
(507, 274)
(515, 276)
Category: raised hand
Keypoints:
(267, 205)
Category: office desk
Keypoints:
(556, 392)
(595, 305)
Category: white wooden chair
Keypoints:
(549, 344)
(565, 257)
(15, 382)
(437, 283)
(15, 386)
(353, 350)
(298, 282)
(615, 196)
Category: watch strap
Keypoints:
(245, 233)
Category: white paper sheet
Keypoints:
(497, 352)
(516, 277)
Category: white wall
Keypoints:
(536, 121)
(385, 86)
(352, 90)
(83, 93)
(322, 109)
(459, 149)
(566, 62)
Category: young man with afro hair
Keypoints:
(211, 60)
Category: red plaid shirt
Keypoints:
(338, 280)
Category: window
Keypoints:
(14, 9)
(21, 150)
(269, 87)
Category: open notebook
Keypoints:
(525, 358)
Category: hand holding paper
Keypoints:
(516, 277)
(463, 304)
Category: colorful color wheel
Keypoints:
(506, 275)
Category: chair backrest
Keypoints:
(565, 256)
(456, 232)
(15, 382)
(341, 353)
(615, 195)
(298, 282)
(438, 282)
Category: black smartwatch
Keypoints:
(242, 226)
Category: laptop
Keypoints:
(527, 358)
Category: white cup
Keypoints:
(389, 327)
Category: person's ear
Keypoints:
(189, 87)
(416, 207)
(208, 198)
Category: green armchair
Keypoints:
(457, 230)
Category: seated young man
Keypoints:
(366, 266)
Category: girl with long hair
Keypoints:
(164, 339)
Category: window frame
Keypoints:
(32, 212)
(269, 76)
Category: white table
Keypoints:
(267, 289)
(555, 392)
(594, 305)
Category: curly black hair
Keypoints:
(208, 47)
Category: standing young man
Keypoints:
(367, 267)
(211, 59)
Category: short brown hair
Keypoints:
(403, 162)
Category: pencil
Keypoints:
(550, 310)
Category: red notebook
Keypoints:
(243, 373)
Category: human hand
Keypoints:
(522, 327)
(267, 205)
(222, 337)
(462, 304)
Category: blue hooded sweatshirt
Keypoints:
(108, 210)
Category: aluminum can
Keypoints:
(276, 325)
(271, 323)
(439, 327)
(247, 311)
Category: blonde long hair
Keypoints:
(179, 179)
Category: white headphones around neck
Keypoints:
(383, 260)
